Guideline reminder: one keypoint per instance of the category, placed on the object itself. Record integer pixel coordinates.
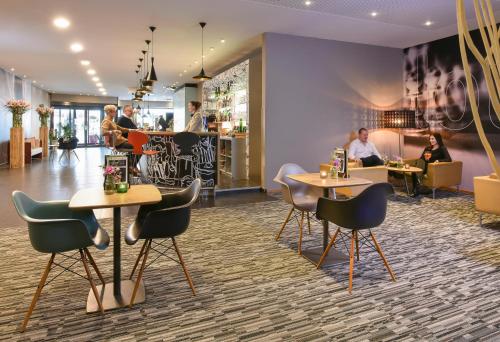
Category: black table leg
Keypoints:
(326, 233)
(116, 252)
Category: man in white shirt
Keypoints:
(363, 150)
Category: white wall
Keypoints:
(316, 93)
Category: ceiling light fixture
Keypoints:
(91, 72)
(202, 76)
(152, 72)
(61, 23)
(95, 79)
(76, 47)
(12, 69)
(84, 62)
(308, 3)
(223, 41)
(102, 89)
(374, 14)
(428, 23)
(98, 84)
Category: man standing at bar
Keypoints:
(364, 151)
(126, 119)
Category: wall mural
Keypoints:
(435, 87)
(170, 170)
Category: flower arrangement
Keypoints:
(44, 114)
(112, 176)
(17, 108)
(334, 170)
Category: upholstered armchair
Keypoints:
(441, 175)
(487, 195)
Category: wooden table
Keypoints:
(403, 170)
(95, 198)
(313, 179)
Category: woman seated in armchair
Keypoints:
(434, 153)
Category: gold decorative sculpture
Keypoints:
(490, 63)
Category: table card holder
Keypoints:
(121, 162)
(341, 155)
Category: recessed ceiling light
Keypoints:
(374, 14)
(91, 72)
(85, 62)
(104, 93)
(102, 89)
(212, 48)
(24, 76)
(185, 71)
(61, 23)
(12, 69)
(76, 47)
(428, 23)
(95, 79)
(307, 3)
(222, 41)
(99, 84)
(195, 62)
(34, 81)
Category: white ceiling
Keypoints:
(113, 33)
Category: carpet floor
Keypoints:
(252, 288)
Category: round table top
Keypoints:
(411, 169)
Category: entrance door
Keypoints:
(85, 123)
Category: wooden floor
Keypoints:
(54, 180)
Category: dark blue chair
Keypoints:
(55, 229)
(363, 212)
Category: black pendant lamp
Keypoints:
(202, 76)
(146, 81)
(152, 72)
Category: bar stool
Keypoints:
(55, 229)
(185, 142)
(164, 220)
(138, 139)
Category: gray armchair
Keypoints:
(302, 197)
(54, 228)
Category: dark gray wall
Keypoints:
(317, 92)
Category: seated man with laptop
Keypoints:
(363, 151)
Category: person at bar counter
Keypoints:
(125, 120)
(363, 151)
(434, 153)
(113, 134)
(195, 125)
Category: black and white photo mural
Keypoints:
(435, 87)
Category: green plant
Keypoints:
(67, 132)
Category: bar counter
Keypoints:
(169, 169)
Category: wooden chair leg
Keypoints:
(309, 223)
(38, 291)
(94, 266)
(138, 259)
(357, 244)
(139, 276)
(91, 281)
(379, 250)
(351, 261)
(301, 225)
(325, 253)
(186, 272)
(284, 224)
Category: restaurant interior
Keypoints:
(249, 170)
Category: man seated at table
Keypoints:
(125, 120)
(363, 151)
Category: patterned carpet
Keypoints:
(252, 288)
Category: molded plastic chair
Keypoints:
(55, 229)
(137, 139)
(365, 211)
(302, 197)
(164, 220)
(185, 142)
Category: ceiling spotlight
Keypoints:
(76, 47)
(99, 84)
(91, 72)
(24, 76)
(12, 69)
(307, 3)
(195, 62)
(104, 93)
(223, 41)
(102, 89)
(428, 23)
(95, 79)
(34, 81)
(61, 23)
(185, 71)
(85, 62)
(180, 75)
(374, 14)
(212, 48)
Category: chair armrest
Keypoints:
(444, 174)
(411, 161)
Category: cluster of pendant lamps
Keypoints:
(146, 73)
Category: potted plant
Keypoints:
(112, 177)
(16, 144)
(44, 114)
(17, 108)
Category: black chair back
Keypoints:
(185, 142)
(365, 211)
(171, 216)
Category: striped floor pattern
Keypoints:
(252, 288)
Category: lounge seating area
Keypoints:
(193, 182)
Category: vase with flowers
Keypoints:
(112, 176)
(334, 169)
(17, 108)
(44, 114)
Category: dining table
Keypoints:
(118, 293)
(326, 184)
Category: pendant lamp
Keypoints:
(146, 81)
(202, 76)
(152, 72)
